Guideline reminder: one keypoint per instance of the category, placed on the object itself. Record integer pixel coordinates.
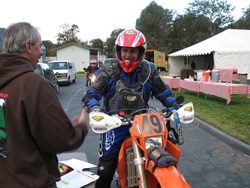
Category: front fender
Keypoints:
(167, 177)
(170, 177)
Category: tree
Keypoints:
(155, 23)
(218, 12)
(49, 48)
(68, 34)
(187, 30)
(97, 43)
(84, 43)
(244, 21)
(246, 15)
(110, 42)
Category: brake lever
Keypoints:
(167, 113)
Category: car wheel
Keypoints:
(74, 79)
(68, 81)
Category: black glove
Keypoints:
(85, 100)
(161, 158)
(175, 105)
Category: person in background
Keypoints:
(194, 74)
(33, 124)
(128, 75)
(90, 70)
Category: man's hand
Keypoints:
(80, 120)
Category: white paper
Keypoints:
(78, 164)
(76, 179)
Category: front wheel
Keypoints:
(116, 179)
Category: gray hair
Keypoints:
(17, 35)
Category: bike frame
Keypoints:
(146, 177)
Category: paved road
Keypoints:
(206, 162)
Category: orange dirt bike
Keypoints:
(149, 158)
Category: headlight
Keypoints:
(153, 142)
(92, 78)
(64, 75)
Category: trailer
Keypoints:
(158, 58)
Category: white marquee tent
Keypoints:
(228, 49)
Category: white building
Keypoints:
(79, 54)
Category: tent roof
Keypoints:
(228, 40)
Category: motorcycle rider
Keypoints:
(125, 82)
(90, 70)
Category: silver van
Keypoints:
(64, 70)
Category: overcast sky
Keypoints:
(95, 18)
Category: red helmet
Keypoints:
(92, 61)
(130, 38)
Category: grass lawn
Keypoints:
(232, 118)
(80, 74)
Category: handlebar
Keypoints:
(105, 122)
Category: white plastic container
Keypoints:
(215, 75)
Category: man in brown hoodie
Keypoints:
(33, 124)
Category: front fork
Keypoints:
(139, 164)
(178, 126)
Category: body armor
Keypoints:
(127, 97)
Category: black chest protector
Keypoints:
(126, 97)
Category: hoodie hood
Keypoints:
(12, 66)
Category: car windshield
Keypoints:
(58, 65)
